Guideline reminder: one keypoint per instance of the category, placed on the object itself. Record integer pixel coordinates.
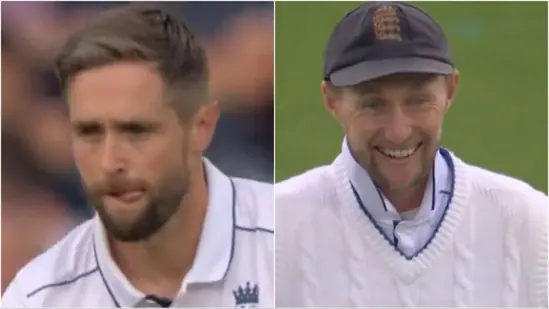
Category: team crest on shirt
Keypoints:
(246, 296)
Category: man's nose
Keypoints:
(112, 161)
(398, 126)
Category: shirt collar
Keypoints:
(214, 252)
(379, 207)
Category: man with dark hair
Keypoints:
(171, 229)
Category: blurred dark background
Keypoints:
(41, 194)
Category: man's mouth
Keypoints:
(398, 154)
(127, 196)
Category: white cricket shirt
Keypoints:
(233, 267)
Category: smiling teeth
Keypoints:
(398, 153)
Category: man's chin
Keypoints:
(127, 234)
(123, 227)
(396, 181)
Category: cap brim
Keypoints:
(369, 70)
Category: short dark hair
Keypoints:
(141, 33)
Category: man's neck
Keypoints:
(407, 199)
(158, 265)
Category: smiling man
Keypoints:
(397, 220)
(171, 229)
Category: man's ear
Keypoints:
(330, 99)
(204, 125)
(452, 83)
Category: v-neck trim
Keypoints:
(406, 268)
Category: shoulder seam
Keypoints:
(61, 283)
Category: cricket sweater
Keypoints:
(490, 248)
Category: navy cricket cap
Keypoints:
(384, 38)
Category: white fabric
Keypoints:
(490, 249)
(410, 231)
(236, 247)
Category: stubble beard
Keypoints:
(163, 203)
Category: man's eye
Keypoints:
(418, 100)
(370, 104)
(88, 130)
(137, 129)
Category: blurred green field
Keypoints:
(498, 121)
